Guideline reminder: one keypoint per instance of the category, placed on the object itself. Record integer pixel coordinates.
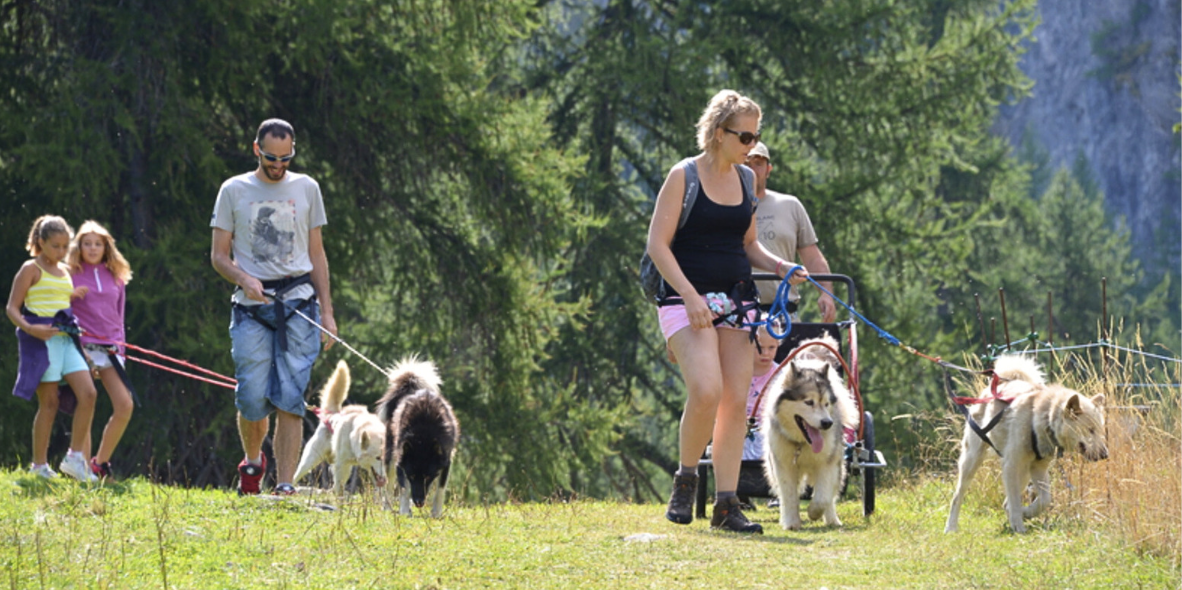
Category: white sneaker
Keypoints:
(76, 467)
(43, 470)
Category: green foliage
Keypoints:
(134, 113)
(868, 107)
(489, 169)
(142, 535)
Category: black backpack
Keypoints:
(650, 278)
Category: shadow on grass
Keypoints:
(33, 486)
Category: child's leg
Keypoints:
(84, 390)
(43, 421)
(122, 406)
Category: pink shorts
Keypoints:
(673, 319)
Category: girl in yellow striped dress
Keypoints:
(39, 306)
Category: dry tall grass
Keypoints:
(1136, 494)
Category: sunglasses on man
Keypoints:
(274, 158)
(746, 137)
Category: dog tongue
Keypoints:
(815, 438)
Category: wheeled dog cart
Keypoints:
(862, 459)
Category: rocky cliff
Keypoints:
(1106, 86)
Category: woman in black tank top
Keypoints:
(708, 256)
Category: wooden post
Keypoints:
(1005, 323)
(981, 320)
(1050, 320)
(1104, 329)
(1051, 328)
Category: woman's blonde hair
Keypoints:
(112, 258)
(723, 108)
(44, 227)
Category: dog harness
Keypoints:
(983, 431)
(1050, 436)
(961, 402)
(323, 416)
(269, 315)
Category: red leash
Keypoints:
(984, 400)
(223, 381)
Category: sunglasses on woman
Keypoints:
(271, 158)
(746, 137)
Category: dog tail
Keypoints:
(1018, 367)
(407, 377)
(332, 397)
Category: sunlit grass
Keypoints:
(137, 535)
(1113, 524)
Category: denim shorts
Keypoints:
(269, 379)
(64, 358)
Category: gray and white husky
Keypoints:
(806, 410)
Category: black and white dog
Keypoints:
(421, 434)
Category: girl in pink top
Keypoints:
(100, 276)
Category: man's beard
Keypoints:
(273, 174)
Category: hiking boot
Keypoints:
(75, 466)
(729, 517)
(100, 470)
(681, 502)
(250, 476)
(285, 489)
(43, 471)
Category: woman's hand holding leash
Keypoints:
(698, 312)
(799, 274)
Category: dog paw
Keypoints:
(791, 525)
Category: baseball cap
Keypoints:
(760, 149)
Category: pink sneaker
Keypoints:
(101, 470)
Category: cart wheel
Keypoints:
(868, 472)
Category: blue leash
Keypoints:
(779, 311)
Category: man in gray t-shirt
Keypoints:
(784, 228)
(266, 240)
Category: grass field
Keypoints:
(136, 534)
(1113, 524)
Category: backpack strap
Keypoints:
(747, 179)
(691, 189)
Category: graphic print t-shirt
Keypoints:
(783, 227)
(270, 223)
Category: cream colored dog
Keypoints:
(807, 407)
(1041, 421)
(347, 437)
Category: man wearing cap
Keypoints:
(784, 228)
